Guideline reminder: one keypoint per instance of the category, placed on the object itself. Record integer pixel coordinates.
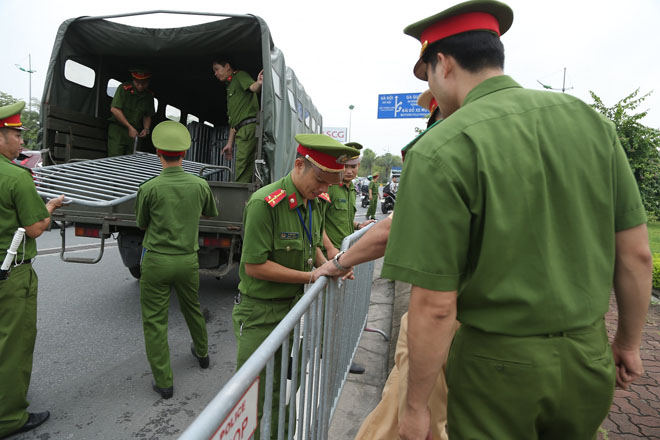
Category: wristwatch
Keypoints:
(336, 261)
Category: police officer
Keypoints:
(283, 224)
(242, 109)
(169, 207)
(340, 212)
(340, 216)
(131, 111)
(373, 197)
(530, 201)
(20, 207)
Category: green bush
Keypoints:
(656, 271)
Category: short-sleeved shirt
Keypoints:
(373, 186)
(135, 105)
(20, 206)
(276, 233)
(242, 103)
(340, 213)
(169, 207)
(514, 201)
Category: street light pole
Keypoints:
(563, 85)
(350, 114)
(30, 72)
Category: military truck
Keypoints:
(91, 57)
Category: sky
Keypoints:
(348, 52)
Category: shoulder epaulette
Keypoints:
(325, 196)
(127, 86)
(275, 197)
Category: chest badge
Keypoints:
(289, 235)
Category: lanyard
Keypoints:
(302, 222)
(308, 231)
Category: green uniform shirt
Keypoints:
(340, 212)
(373, 186)
(135, 105)
(242, 103)
(514, 201)
(275, 233)
(20, 206)
(169, 207)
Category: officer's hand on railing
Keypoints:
(55, 203)
(366, 223)
(132, 132)
(329, 269)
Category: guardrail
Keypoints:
(325, 327)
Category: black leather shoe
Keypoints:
(165, 393)
(204, 362)
(356, 368)
(34, 420)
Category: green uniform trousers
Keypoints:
(246, 144)
(254, 320)
(373, 204)
(119, 143)
(159, 273)
(18, 332)
(538, 387)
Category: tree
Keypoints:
(367, 162)
(29, 118)
(641, 145)
(386, 162)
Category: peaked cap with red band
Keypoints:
(171, 138)
(140, 73)
(324, 152)
(10, 116)
(475, 15)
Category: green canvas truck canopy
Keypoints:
(181, 62)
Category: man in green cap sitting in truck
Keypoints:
(284, 224)
(131, 111)
(169, 207)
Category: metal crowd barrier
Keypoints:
(103, 182)
(327, 322)
(206, 147)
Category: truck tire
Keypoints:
(135, 271)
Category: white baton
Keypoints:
(11, 252)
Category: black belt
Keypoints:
(245, 122)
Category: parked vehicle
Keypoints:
(389, 197)
(365, 200)
(90, 58)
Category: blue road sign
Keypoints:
(400, 105)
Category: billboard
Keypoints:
(399, 106)
(337, 133)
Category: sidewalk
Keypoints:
(635, 413)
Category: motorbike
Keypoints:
(389, 197)
(365, 195)
(365, 200)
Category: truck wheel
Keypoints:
(135, 271)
